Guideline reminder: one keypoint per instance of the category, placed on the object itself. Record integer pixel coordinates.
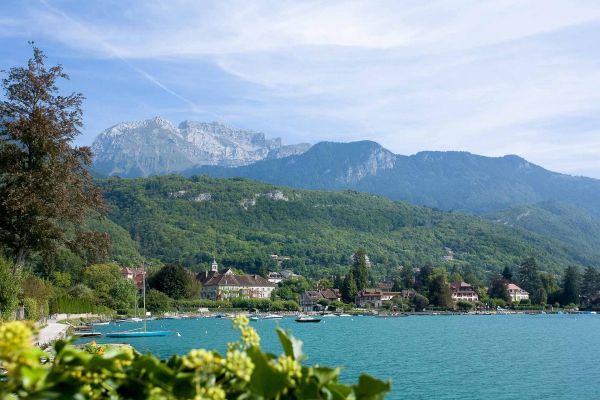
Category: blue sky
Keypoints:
(490, 77)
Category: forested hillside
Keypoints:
(457, 181)
(241, 222)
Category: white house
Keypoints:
(516, 293)
(224, 285)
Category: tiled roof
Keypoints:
(512, 286)
(461, 285)
(329, 294)
(229, 279)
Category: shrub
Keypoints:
(31, 309)
(99, 372)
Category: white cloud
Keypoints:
(466, 75)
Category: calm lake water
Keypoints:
(427, 357)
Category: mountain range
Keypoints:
(507, 190)
(156, 146)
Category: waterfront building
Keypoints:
(374, 297)
(225, 285)
(310, 299)
(462, 291)
(516, 293)
(134, 274)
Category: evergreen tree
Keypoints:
(360, 269)
(397, 286)
(440, 293)
(45, 181)
(498, 288)
(529, 280)
(349, 289)
(507, 274)
(590, 284)
(338, 282)
(407, 277)
(570, 291)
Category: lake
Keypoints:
(426, 357)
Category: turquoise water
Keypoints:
(427, 357)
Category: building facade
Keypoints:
(374, 298)
(462, 291)
(516, 293)
(225, 285)
(311, 298)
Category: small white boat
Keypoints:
(100, 323)
(272, 316)
(328, 315)
(345, 315)
(136, 319)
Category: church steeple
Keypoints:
(214, 266)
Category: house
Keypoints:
(135, 274)
(225, 285)
(516, 293)
(462, 291)
(374, 297)
(310, 299)
(385, 286)
(276, 277)
(279, 259)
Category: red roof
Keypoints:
(227, 278)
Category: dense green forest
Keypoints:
(242, 222)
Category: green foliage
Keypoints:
(10, 287)
(73, 305)
(498, 288)
(570, 291)
(360, 269)
(419, 302)
(157, 302)
(464, 305)
(119, 373)
(439, 291)
(109, 286)
(31, 309)
(349, 289)
(175, 281)
(318, 230)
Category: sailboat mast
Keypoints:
(144, 292)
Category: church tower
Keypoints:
(214, 266)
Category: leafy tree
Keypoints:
(397, 286)
(349, 289)
(422, 278)
(10, 287)
(45, 181)
(464, 305)
(101, 278)
(498, 288)
(122, 295)
(157, 302)
(440, 293)
(570, 292)
(360, 269)
(419, 302)
(174, 281)
(507, 274)
(40, 291)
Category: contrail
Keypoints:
(116, 54)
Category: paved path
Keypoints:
(52, 331)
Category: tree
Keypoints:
(498, 288)
(419, 302)
(397, 286)
(440, 293)
(529, 279)
(407, 277)
(122, 295)
(360, 269)
(590, 284)
(10, 287)
(101, 278)
(349, 289)
(570, 291)
(507, 274)
(174, 281)
(157, 302)
(45, 181)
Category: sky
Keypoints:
(490, 77)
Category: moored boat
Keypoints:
(306, 319)
(272, 316)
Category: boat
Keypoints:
(86, 334)
(344, 315)
(140, 332)
(136, 319)
(137, 333)
(306, 319)
(272, 316)
(100, 323)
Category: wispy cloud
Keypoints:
(489, 77)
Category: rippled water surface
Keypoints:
(427, 357)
